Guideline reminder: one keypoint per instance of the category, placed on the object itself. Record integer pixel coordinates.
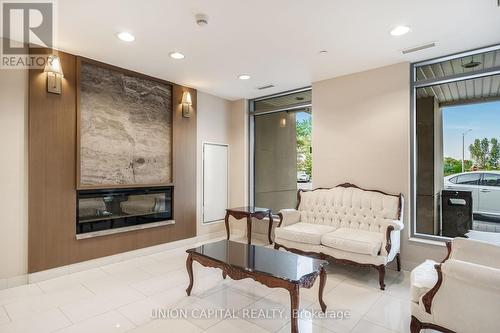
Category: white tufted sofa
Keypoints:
(345, 224)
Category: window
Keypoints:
(456, 145)
(490, 179)
(281, 160)
(468, 179)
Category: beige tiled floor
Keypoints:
(120, 298)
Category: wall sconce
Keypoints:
(54, 74)
(283, 120)
(186, 104)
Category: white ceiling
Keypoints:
(275, 41)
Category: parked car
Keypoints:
(303, 177)
(485, 188)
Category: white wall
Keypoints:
(361, 131)
(13, 176)
(221, 121)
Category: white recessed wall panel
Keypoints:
(215, 181)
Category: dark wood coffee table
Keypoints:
(250, 212)
(272, 268)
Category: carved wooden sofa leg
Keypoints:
(398, 262)
(381, 276)
(415, 325)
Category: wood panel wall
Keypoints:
(52, 178)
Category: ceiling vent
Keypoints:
(420, 48)
(266, 87)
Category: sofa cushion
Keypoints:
(422, 279)
(354, 240)
(303, 232)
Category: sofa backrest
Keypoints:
(348, 206)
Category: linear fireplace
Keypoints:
(107, 211)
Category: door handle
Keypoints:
(483, 190)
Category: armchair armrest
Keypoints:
(464, 288)
(475, 251)
(288, 217)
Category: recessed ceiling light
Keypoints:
(126, 36)
(176, 55)
(400, 30)
(244, 77)
(323, 52)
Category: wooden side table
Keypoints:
(249, 212)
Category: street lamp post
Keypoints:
(463, 148)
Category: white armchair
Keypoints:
(462, 294)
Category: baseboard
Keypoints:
(13, 281)
(99, 262)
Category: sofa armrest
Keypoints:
(288, 217)
(396, 224)
(475, 251)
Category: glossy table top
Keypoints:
(259, 259)
(249, 209)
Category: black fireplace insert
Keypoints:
(122, 209)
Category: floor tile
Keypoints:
(400, 286)
(229, 298)
(306, 326)
(45, 322)
(17, 293)
(236, 325)
(198, 310)
(390, 312)
(110, 322)
(40, 303)
(4, 318)
(99, 304)
(268, 313)
(70, 280)
(140, 312)
(104, 284)
(164, 326)
(365, 326)
(174, 279)
(353, 297)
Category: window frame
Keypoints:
(414, 85)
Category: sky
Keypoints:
(483, 119)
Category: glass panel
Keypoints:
(283, 157)
(111, 209)
(490, 179)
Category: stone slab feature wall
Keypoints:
(125, 128)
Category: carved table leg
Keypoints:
(249, 229)
(294, 312)
(189, 266)
(381, 276)
(270, 228)
(322, 282)
(226, 221)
